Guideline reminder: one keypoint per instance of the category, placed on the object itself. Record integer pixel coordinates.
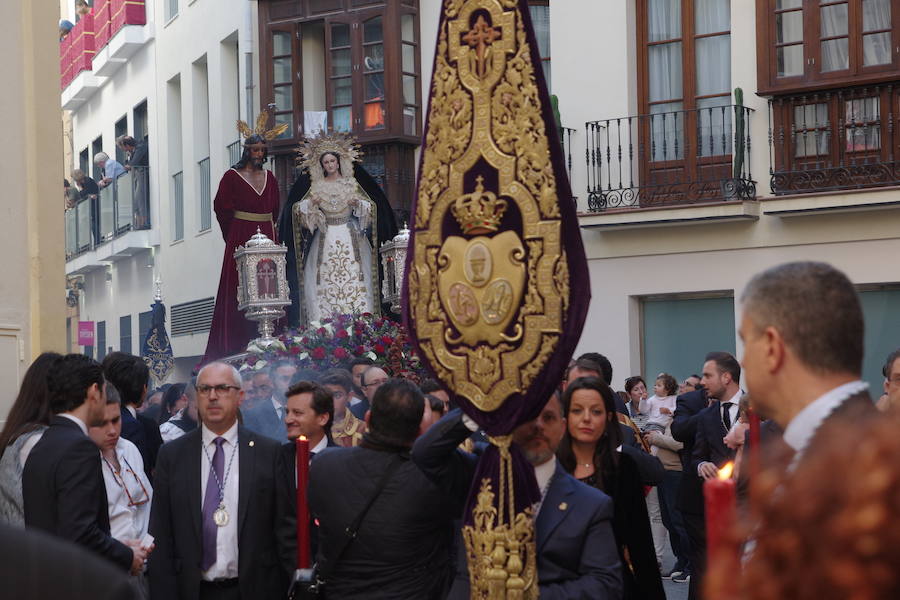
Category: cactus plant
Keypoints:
(739, 125)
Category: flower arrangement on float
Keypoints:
(334, 341)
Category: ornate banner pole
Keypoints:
(496, 290)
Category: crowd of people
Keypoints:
(191, 489)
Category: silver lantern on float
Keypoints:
(393, 261)
(262, 284)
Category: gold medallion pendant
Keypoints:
(220, 516)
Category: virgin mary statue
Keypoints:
(331, 225)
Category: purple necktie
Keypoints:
(210, 504)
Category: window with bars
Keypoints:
(539, 11)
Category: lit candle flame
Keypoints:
(725, 471)
(302, 437)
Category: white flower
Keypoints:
(371, 355)
(303, 356)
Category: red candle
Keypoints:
(720, 495)
(302, 507)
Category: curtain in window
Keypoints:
(834, 22)
(540, 18)
(876, 46)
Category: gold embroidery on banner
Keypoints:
(487, 306)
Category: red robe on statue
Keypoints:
(231, 331)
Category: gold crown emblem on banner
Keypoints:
(479, 212)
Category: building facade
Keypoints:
(706, 140)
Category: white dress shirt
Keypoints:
(544, 473)
(279, 408)
(733, 410)
(803, 427)
(128, 493)
(226, 565)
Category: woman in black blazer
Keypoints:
(589, 450)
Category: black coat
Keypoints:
(708, 442)
(143, 432)
(36, 566)
(684, 429)
(402, 550)
(64, 493)
(175, 520)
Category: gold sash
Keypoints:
(255, 217)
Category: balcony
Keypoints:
(100, 43)
(834, 140)
(113, 226)
(670, 158)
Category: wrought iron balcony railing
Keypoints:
(834, 140)
(122, 206)
(670, 158)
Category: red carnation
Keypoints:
(304, 340)
(319, 352)
(342, 333)
(321, 331)
(340, 353)
(379, 349)
(359, 350)
(295, 350)
(387, 340)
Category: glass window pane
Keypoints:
(663, 20)
(284, 98)
(340, 35)
(409, 58)
(281, 43)
(812, 143)
(665, 71)
(811, 116)
(374, 87)
(409, 89)
(341, 118)
(790, 60)
(813, 133)
(876, 14)
(374, 59)
(374, 115)
(712, 16)
(409, 120)
(714, 118)
(285, 118)
(789, 27)
(877, 49)
(713, 65)
(834, 20)
(540, 17)
(781, 4)
(666, 131)
(408, 28)
(282, 70)
(547, 66)
(372, 30)
(342, 90)
(835, 55)
(340, 63)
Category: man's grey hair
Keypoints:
(100, 157)
(235, 374)
(816, 310)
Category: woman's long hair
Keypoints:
(32, 406)
(606, 455)
(170, 397)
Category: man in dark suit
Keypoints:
(402, 548)
(267, 417)
(802, 328)
(64, 570)
(576, 547)
(62, 484)
(370, 380)
(130, 374)
(214, 508)
(310, 410)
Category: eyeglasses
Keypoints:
(144, 498)
(376, 382)
(222, 388)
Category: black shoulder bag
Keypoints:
(308, 584)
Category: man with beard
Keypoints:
(247, 199)
(62, 483)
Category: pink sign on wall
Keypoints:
(85, 333)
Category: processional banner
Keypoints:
(496, 289)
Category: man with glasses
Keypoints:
(370, 380)
(227, 474)
(891, 372)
